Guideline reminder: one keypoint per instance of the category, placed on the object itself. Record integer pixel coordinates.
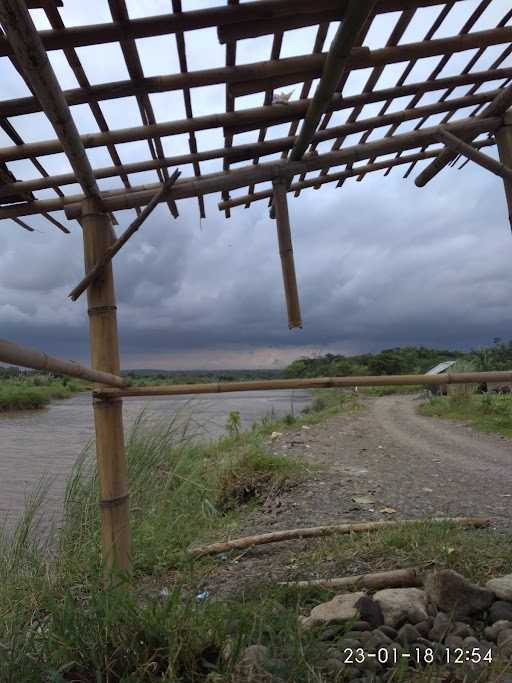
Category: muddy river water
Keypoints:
(46, 443)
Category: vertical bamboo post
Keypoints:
(504, 140)
(108, 417)
(284, 237)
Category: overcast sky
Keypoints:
(379, 263)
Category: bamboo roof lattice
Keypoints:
(467, 90)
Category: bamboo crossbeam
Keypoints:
(341, 175)
(146, 27)
(296, 69)
(31, 56)
(487, 162)
(284, 237)
(497, 107)
(504, 140)
(312, 383)
(37, 360)
(322, 531)
(360, 59)
(357, 13)
(217, 182)
(116, 246)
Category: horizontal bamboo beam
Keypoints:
(36, 360)
(497, 107)
(361, 58)
(341, 175)
(116, 246)
(37, 70)
(297, 69)
(311, 383)
(470, 152)
(322, 531)
(217, 182)
(357, 14)
(146, 27)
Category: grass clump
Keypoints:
(35, 391)
(486, 412)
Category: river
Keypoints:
(46, 443)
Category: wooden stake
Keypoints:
(284, 237)
(398, 578)
(315, 532)
(504, 140)
(108, 417)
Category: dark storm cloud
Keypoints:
(380, 263)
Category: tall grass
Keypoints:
(486, 412)
(34, 392)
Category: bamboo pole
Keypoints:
(217, 182)
(37, 360)
(311, 383)
(284, 237)
(357, 13)
(504, 140)
(31, 56)
(497, 107)
(108, 416)
(116, 246)
(470, 152)
(395, 578)
(320, 531)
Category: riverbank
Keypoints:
(185, 621)
(35, 392)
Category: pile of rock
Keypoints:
(451, 623)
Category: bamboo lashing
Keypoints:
(487, 162)
(284, 238)
(311, 383)
(37, 360)
(116, 246)
(322, 531)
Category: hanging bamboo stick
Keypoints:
(319, 531)
(116, 246)
(108, 415)
(504, 140)
(284, 237)
(311, 383)
(37, 360)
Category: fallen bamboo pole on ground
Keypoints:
(37, 360)
(310, 383)
(397, 578)
(115, 247)
(319, 531)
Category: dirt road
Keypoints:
(387, 462)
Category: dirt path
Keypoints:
(384, 456)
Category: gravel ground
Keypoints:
(383, 462)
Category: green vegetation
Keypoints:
(155, 377)
(486, 412)
(60, 622)
(408, 360)
(31, 391)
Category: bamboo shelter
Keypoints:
(423, 125)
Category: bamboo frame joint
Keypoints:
(101, 310)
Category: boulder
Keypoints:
(452, 593)
(400, 605)
(500, 611)
(342, 608)
(501, 587)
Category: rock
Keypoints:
(400, 605)
(505, 642)
(348, 643)
(251, 665)
(452, 593)
(335, 667)
(491, 632)
(500, 611)
(423, 627)
(408, 635)
(332, 632)
(471, 643)
(340, 609)
(462, 630)
(360, 626)
(389, 631)
(440, 627)
(453, 642)
(370, 611)
(501, 587)
(379, 639)
(254, 656)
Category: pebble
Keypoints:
(423, 627)
(492, 632)
(453, 642)
(500, 611)
(461, 629)
(407, 635)
(505, 642)
(389, 631)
